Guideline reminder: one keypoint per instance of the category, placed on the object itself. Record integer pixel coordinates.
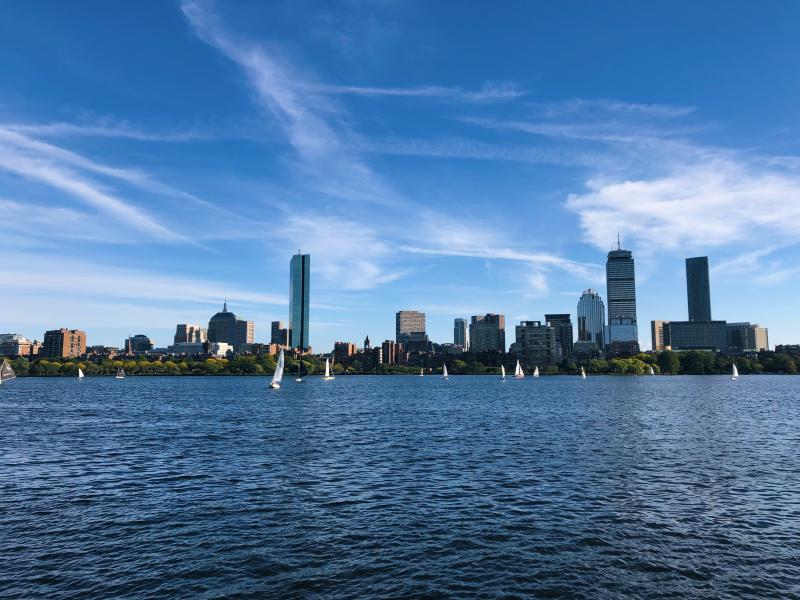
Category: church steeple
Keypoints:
(367, 345)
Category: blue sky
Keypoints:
(455, 158)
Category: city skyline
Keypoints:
(493, 179)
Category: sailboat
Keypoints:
(651, 371)
(276, 378)
(444, 371)
(734, 373)
(502, 372)
(518, 372)
(422, 372)
(536, 371)
(328, 375)
(299, 378)
(583, 373)
(120, 374)
(80, 373)
(6, 372)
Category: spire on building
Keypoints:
(225, 305)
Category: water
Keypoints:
(649, 487)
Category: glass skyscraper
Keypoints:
(460, 333)
(299, 294)
(621, 283)
(591, 318)
(698, 289)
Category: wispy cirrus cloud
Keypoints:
(490, 92)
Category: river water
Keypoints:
(400, 487)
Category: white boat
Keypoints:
(652, 372)
(6, 372)
(734, 373)
(518, 372)
(536, 371)
(444, 371)
(583, 373)
(80, 373)
(299, 378)
(328, 375)
(502, 372)
(276, 378)
(120, 374)
(422, 372)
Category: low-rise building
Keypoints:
(63, 343)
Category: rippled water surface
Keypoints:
(650, 487)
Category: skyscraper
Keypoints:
(623, 332)
(591, 318)
(562, 325)
(537, 344)
(190, 333)
(460, 333)
(279, 334)
(299, 294)
(487, 333)
(410, 330)
(697, 289)
(225, 328)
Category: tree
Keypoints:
(669, 362)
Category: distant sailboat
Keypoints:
(422, 372)
(6, 372)
(734, 373)
(583, 373)
(444, 371)
(536, 371)
(299, 378)
(80, 373)
(518, 372)
(276, 378)
(120, 374)
(652, 372)
(502, 372)
(328, 375)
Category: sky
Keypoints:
(449, 157)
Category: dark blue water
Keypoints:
(649, 487)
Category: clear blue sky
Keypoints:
(450, 157)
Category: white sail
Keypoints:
(652, 372)
(735, 372)
(328, 374)
(6, 372)
(80, 373)
(422, 372)
(583, 373)
(518, 372)
(444, 371)
(276, 378)
(121, 374)
(536, 371)
(502, 372)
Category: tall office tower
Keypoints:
(537, 344)
(659, 333)
(138, 343)
(698, 291)
(63, 343)
(410, 330)
(487, 333)
(623, 331)
(562, 324)
(460, 333)
(225, 328)
(591, 318)
(299, 294)
(279, 334)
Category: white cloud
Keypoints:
(490, 92)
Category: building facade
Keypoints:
(621, 293)
(591, 318)
(697, 335)
(279, 334)
(562, 324)
(487, 333)
(225, 328)
(15, 344)
(460, 333)
(342, 351)
(186, 333)
(537, 344)
(747, 337)
(138, 344)
(410, 331)
(657, 333)
(299, 301)
(698, 289)
(63, 343)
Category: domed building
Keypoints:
(225, 327)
